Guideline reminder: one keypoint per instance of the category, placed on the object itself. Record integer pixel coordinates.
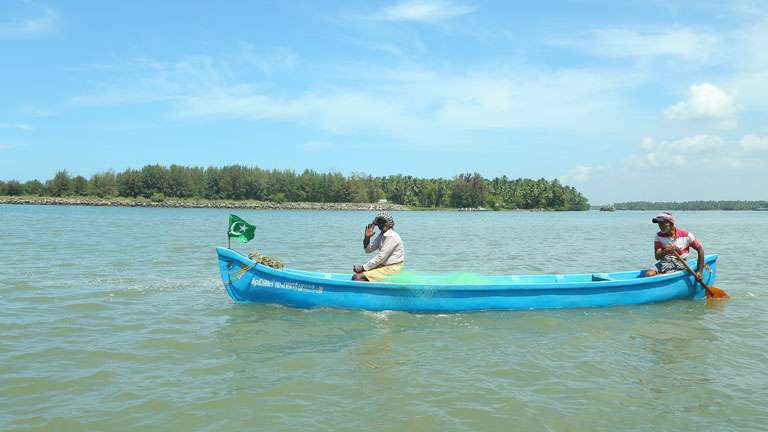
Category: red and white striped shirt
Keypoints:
(681, 238)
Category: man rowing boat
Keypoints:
(670, 239)
(391, 256)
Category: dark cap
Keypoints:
(664, 217)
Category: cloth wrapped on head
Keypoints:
(389, 222)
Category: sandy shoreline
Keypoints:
(191, 203)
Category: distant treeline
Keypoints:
(238, 182)
(692, 205)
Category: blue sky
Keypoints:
(645, 100)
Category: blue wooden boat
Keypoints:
(247, 281)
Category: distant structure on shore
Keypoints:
(470, 209)
(608, 209)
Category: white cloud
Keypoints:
(742, 60)
(654, 159)
(705, 102)
(16, 126)
(754, 143)
(417, 106)
(648, 143)
(148, 80)
(411, 103)
(335, 111)
(580, 173)
(694, 145)
(423, 10)
(45, 21)
(699, 151)
(685, 44)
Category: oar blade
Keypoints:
(714, 292)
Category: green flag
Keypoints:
(240, 229)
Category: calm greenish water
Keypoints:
(115, 319)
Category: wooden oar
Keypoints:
(244, 269)
(713, 292)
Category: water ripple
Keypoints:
(133, 330)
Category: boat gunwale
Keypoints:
(634, 283)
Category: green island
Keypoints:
(692, 205)
(237, 186)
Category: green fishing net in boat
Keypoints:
(420, 278)
(266, 260)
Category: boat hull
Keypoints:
(301, 289)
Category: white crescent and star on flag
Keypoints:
(237, 228)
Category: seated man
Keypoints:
(668, 239)
(391, 256)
